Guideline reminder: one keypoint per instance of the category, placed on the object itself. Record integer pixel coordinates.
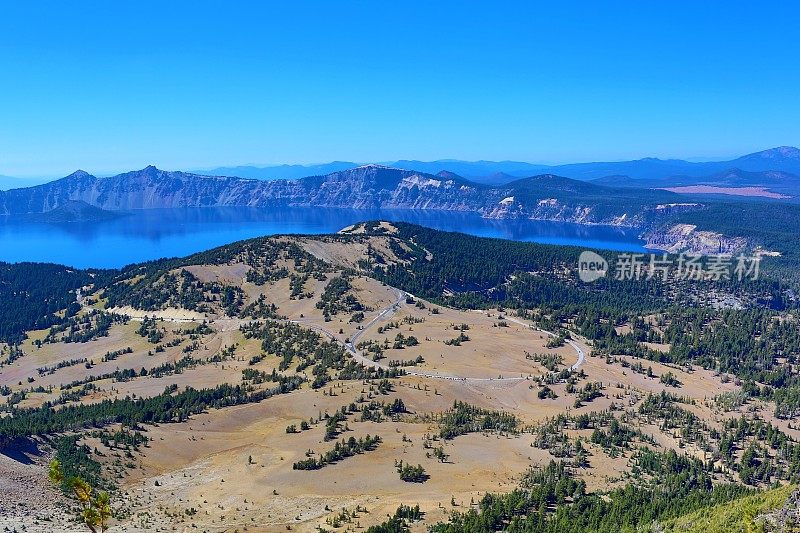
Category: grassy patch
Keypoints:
(738, 515)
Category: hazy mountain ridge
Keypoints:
(782, 158)
(773, 180)
(278, 172)
(546, 197)
(10, 182)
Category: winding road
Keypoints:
(578, 350)
(401, 296)
(229, 324)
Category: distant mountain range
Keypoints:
(781, 183)
(785, 159)
(279, 172)
(8, 182)
(616, 198)
(543, 197)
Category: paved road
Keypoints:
(400, 298)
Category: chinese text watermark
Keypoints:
(665, 267)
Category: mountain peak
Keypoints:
(376, 167)
(779, 152)
(446, 174)
(79, 174)
(789, 151)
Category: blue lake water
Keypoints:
(155, 233)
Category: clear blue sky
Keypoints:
(103, 87)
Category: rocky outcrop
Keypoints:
(687, 238)
(784, 519)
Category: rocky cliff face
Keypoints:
(364, 187)
(375, 186)
(372, 186)
(686, 237)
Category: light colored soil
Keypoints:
(172, 314)
(226, 274)
(202, 464)
(216, 447)
(699, 385)
(731, 191)
(336, 252)
(29, 502)
(372, 294)
(491, 352)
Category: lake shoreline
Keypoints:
(148, 234)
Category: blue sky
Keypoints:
(199, 84)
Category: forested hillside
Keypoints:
(31, 294)
(405, 351)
